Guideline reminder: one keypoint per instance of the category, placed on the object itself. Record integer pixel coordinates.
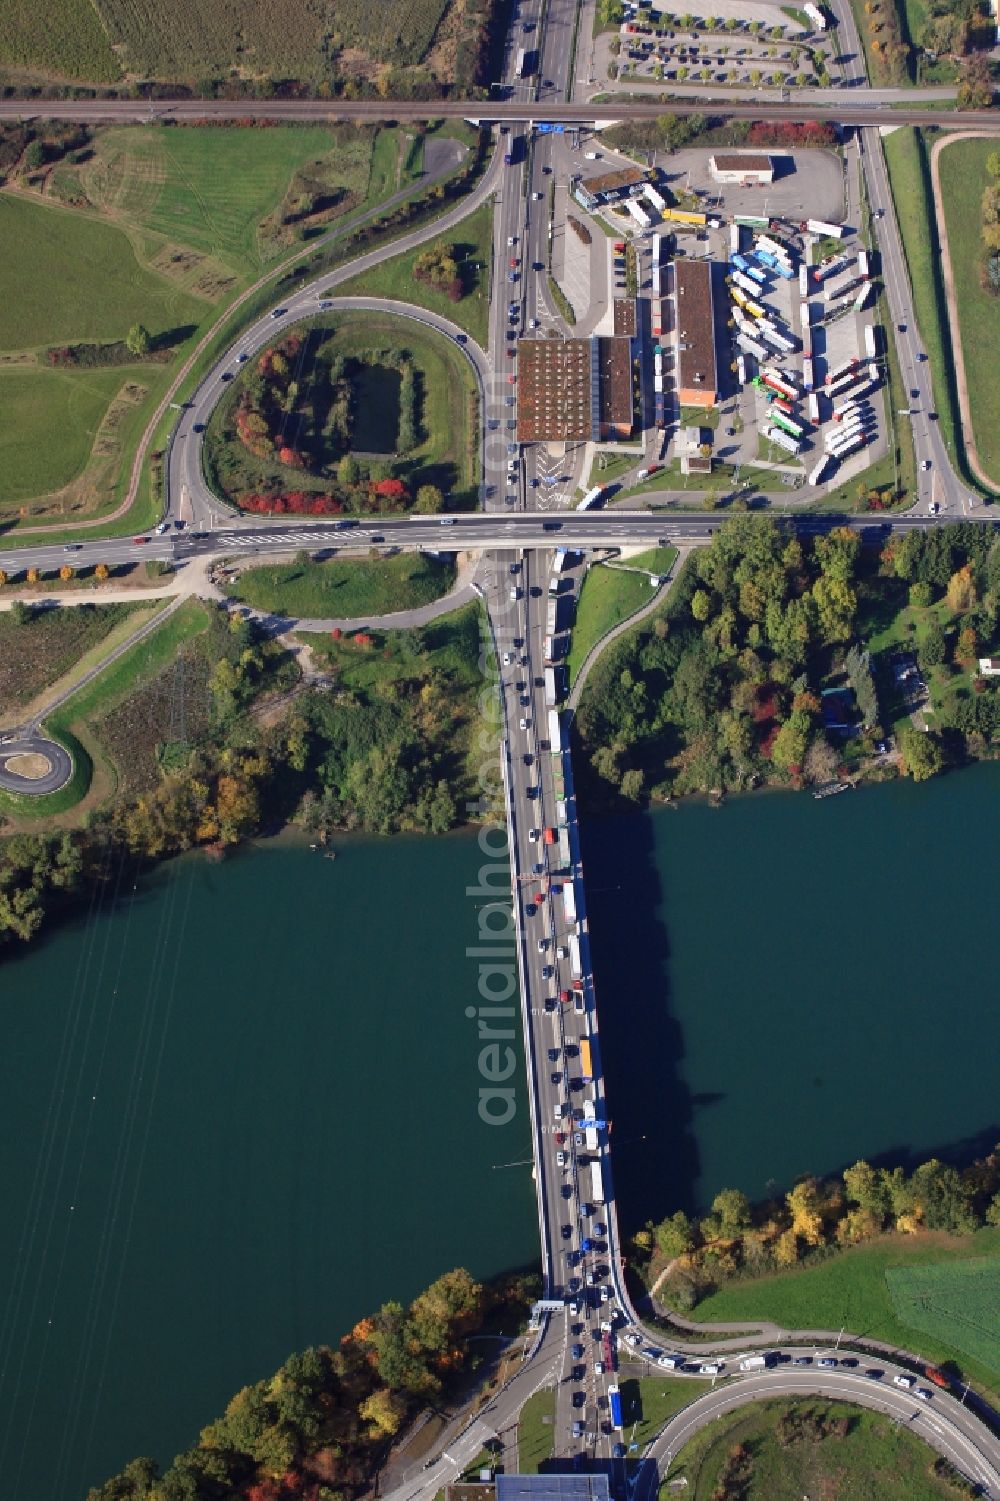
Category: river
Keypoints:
(237, 1112)
(787, 985)
(239, 1107)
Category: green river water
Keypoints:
(240, 1109)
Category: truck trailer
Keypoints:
(783, 440)
(555, 733)
(824, 230)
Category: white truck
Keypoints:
(754, 1363)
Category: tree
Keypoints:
(137, 340)
(32, 576)
(429, 500)
(921, 594)
(975, 86)
(101, 571)
(961, 593)
(921, 752)
(836, 604)
(866, 1186)
(805, 1207)
(732, 1208)
(384, 1411)
(789, 748)
(934, 649)
(674, 1236)
(3, 577)
(701, 604)
(348, 472)
(65, 573)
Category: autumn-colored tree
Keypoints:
(384, 1410)
(32, 576)
(806, 1208)
(3, 577)
(961, 595)
(429, 500)
(65, 573)
(101, 571)
(701, 604)
(786, 1248)
(968, 646)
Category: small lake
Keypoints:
(237, 1112)
(375, 426)
(786, 985)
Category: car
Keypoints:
(874, 1374)
(553, 1055)
(198, 427)
(921, 359)
(578, 1139)
(803, 1360)
(923, 1393)
(574, 1284)
(901, 327)
(76, 546)
(140, 541)
(848, 1360)
(507, 659)
(577, 1352)
(543, 944)
(560, 1159)
(164, 526)
(635, 1340)
(278, 312)
(226, 375)
(904, 1381)
(528, 758)
(827, 1362)
(567, 1190)
(933, 507)
(914, 393)
(579, 1399)
(925, 464)
(461, 338)
(537, 197)
(241, 359)
(618, 1451)
(577, 1429)
(512, 276)
(599, 1230)
(446, 521)
(566, 1231)
(512, 239)
(598, 1367)
(533, 836)
(547, 970)
(556, 1076)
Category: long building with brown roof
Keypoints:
(694, 334)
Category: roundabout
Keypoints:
(33, 766)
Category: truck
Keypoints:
(562, 813)
(783, 440)
(744, 283)
(752, 346)
(586, 1071)
(615, 1404)
(555, 733)
(823, 229)
(589, 1119)
(525, 64)
(845, 369)
(864, 264)
(591, 498)
(787, 424)
(685, 216)
(818, 472)
(777, 383)
(829, 268)
(564, 859)
(550, 687)
(569, 903)
(870, 349)
(803, 280)
(812, 408)
(550, 616)
(656, 199)
(754, 1363)
(807, 375)
(735, 240)
(575, 963)
(815, 15)
(864, 297)
(641, 216)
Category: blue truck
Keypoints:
(615, 1403)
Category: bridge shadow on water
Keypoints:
(654, 1151)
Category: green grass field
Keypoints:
(963, 177)
(609, 595)
(877, 1458)
(852, 1288)
(345, 589)
(535, 1431)
(209, 188)
(473, 239)
(958, 1303)
(658, 560)
(648, 1402)
(59, 36)
(449, 643)
(904, 156)
(73, 277)
(50, 420)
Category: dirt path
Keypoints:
(951, 302)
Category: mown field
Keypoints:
(50, 419)
(963, 177)
(853, 1288)
(786, 1450)
(608, 596)
(344, 588)
(958, 1303)
(208, 188)
(56, 36)
(65, 277)
(473, 242)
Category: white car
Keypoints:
(512, 239)
(523, 723)
(925, 463)
(923, 1393)
(933, 508)
(164, 526)
(904, 1381)
(532, 836)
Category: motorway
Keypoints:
(513, 579)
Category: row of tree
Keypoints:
(737, 1238)
(320, 1427)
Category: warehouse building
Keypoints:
(694, 334)
(574, 390)
(614, 368)
(742, 167)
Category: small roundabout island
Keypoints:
(33, 766)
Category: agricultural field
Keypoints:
(67, 277)
(56, 36)
(345, 588)
(443, 453)
(785, 1450)
(35, 652)
(103, 41)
